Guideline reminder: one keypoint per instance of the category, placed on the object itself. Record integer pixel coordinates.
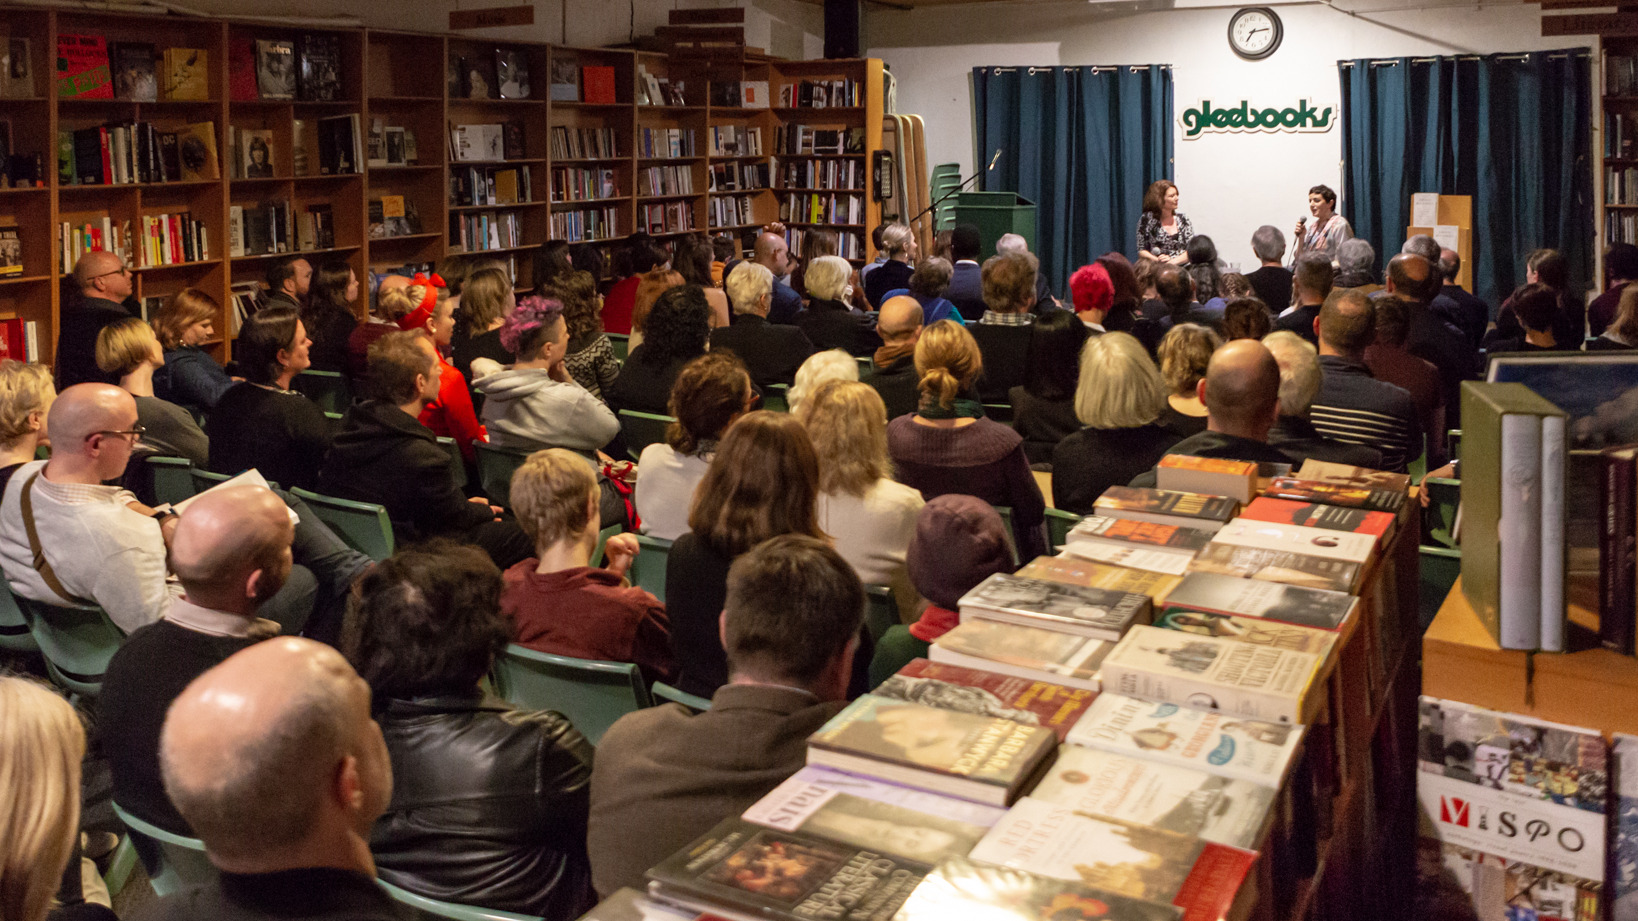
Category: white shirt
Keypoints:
(873, 531)
(665, 489)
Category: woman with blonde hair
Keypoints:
(486, 301)
(26, 392)
(871, 517)
(1119, 398)
(189, 376)
(1184, 353)
(947, 446)
(829, 365)
(129, 349)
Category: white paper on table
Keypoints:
(1424, 209)
(1445, 235)
(251, 477)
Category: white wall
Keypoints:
(1229, 183)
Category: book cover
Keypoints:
(82, 67)
(1554, 447)
(1138, 544)
(1564, 765)
(1086, 573)
(985, 693)
(1163, 506)
(17, 77)
(478, 79)
(134, 76)
(186, 74)
(1624, 843)
(1258, 682)
(1276, 601)
(319, 76)
(11, 252)
(1216, 476)
(983, 758)
(1333, 545)
(598, 84)
(1168, 797)
(512, 73)
(513, 140)
(255, 154)
(1093, 612)
(275, 69)
(1027, 651)
(856, 810)
(1357, 477)
(1257, 563)
(196, 149)
(1618, 549)
(565, 85)
(784, 875)
(1124, 858)
(1338, 494)
(1319, 515)
(960, 888)
(1213, 742)
(1257, 632)
(242, 85)
(753, 94)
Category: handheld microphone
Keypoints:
(993, 160)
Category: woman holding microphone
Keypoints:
(1328, 229)
(1163, 232)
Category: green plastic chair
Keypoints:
(1439, 518)
(622, 345)
(329, 389)
(663, 691)
(642, 429)
(1000, 412)
(457, 463)
(172, 478)
(881, 610)
(495, 469)
(204, 479)
(648, 570)
(363, 526)
(422, 907)
(777, 398)
(1059, 525)
(77, 643)
(1438, 571)
(15, 635)
(598, 558)
(172, 861)
(590, 693)
(1453, 443)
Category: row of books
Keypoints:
(490, 141)
(592, 83)
(392, 216)
(583, 184)
(1621, 185)
(1621, 227)
(668, 217)
(308, 69)
(583, 143)
(665, 142)
(849, 245)
(88, 67)
(820, 94)
(106, 234)
(665, 180)
(804, 139)
(278, 227)
(130, 152)
(586, 225)
(653, 90)
(739, 177)
(730, 211)
(1620, 75)
(1618, 134)
(822, 208)
(485, 230)
(171, 239)
(391, 145)
(501, 74)
(489, 185)
(734, 141)
(20, 339)
(822, 174)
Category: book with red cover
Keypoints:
(597, 85)
(242, 86)
(11, 334)
(969, 690)
(1318, 515)
(82, 67)
(1378, 500)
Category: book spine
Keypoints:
(1617, 553)
(1552, 533)
(1520, 596)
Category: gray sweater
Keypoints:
(527, 410)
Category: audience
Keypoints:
(1310, 284)
(384, 455)
(450, 414)
(828, 321)
(1272, 280)
(129, 349)
(1012, 244)
(1352, 406)
(1004, 333)
(1092, 293)
(1356, 267)
(867, 514)
(537, 404)
(650, 286)
(282, 781)
(591, 361)
(1459, 308)
(1241, 391)
(553, 260)
(1185, 353)
(189, 376)
(1293, 433)
(1389, 362)
(558, 602)
(26, 395)
(947, 446)
(1620, 270)
(635, 259)
(1535, 308)
(691, 259)
(829, 365)
(772, 253)
(488, 802)
(1202, 270)
(1429, 337)
(927, 285)
(893, 368)
(1043, 406)
(1622, 331)
(379, 323)
(902, 252)
(966, 289)
(104, 284)
(788, 623)
(1546, 267)
(487, 299)
(711, 393)
(1246, 318)
(1120, 398)
(330, 314)
(678, 326)
(260, 422)
(771, 352)
(288, 280)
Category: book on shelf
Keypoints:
(734, 141)
(82, 67)
(725, 94)
(134, 76)
(739, 177)
(1199, 877)
(11, 252)
(105, 234)
(20, 339)
(1266, 535)
(743, 870)
(665, 142)
(478, 78)
(565, 77)
(1618, 549)
(822, 94)
(1624, 842)
(1257, 682)
(647, 88)
(319, 76)
(315, 228)
(1161, 506)
(1320, 515)
(730, 211)
(17, 68)
(477, 142)
(1358, 477)
(1337, 494)
(1264, 565)
(375, 144)
(172, 239)
(667, 217)
(1069, 569)
(1217, 476)
(986, 759)
(857, 810)
(255, 153)
(486, 230)
(489, 185)
(577, 183)
(1513, 542)
(514, 139)
(395, 146)
(597, 84)
(665, 180)
(275, 68)
(959, 888)
(1214, 742)
(1320, 609)
(1253, 630)
(242, 80)
(265, 227)
(583, 143)
(1487, 780)
(244, 297)
(392, 216)
(586, 225)
(1091, 612)
(1025, 652)
(512, 73)
(822, 208)
(196, 151)
(186, 74)
(987, 693)
(1170, 797)
(1137, 544)
(753, 94)
(340, 144)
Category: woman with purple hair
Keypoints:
(537, 403)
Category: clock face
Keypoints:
(1255, 33)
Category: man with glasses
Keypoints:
(104, 283)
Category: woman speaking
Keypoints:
(1163, 232)
(1328, 229)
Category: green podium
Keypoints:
(996, 214)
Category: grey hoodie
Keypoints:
(527, 410)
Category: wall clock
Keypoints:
(1255, 32)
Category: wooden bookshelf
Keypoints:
(1618, 179)
(803, 95)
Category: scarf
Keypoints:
(963, 409)
(888, 354)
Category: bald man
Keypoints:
(1430, 337)
(1352, 406)
(231, 551)
(773, 254)
(1241, 391)
(104, 284)
(272, 758)
(893, 367)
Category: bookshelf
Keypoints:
(820, 185)
(672, 172)
(1618, 208)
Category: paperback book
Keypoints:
(1257, 682)
(1618, 549)
(1266, 535)
(1215, 476)
(186, 74)
(1025, 652)
(1253, 630)
(1161, 506)
(11, 252)
(1073, 571)
(982, 758)
(1138, 544)
(1338, 494)
(1357, 477)
(512, 73)
(320, 74)
(82, 67)
(1289, 567)
(1092, 612)
(986, 693)
(275, 69)
(1624, 864)
(1306, 607)
(959, 888)
(1319, 515)
(1213, 742)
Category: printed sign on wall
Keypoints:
(1305, 117)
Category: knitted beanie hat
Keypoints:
(959, 542)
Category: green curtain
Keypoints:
(1083, 143)
(1511, 130)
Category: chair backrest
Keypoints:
(204, 479)
(663, 691)
(590, 693)
(457, 463)
(1059, 524)
(172, 861)
(642, 429)
(599, 557)
(14, 633)
(495, 469)
(422, 907)
(363, 526)
(881, 610)
(1000, 412)
(172, 478)
(648, 570)
(1005, 511)
(777, 398)
(77, 642)
(329, 389)
(1439, 517)
(622, 345)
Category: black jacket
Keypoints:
(1219, 444)
(644, 385)
(383, 455)
(1273, 286)
(488, 806)
(772, 352)
(284, 435)
(832, 325)
(1006, 356)
(1043, 423)
(77, 328)
(1091, 460)
(1300, 441)
(898, 384)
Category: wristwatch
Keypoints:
(164, 514)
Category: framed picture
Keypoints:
(478, 77)
(512, 73)
(395, 146)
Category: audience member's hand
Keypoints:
(493, 508)
(559, 373)
(1443, 473)
(774, 227)
(604, 458)
(618, 553)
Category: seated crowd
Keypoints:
(318, 718)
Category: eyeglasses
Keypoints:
(135, 432)
(122, 270)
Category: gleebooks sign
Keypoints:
(1244, 117)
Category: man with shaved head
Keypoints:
(893, 367)
(773, 254)
(104, 283)
(1352, 406)
(274, 761)
(1241, 391)
(1431, 338)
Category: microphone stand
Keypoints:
(946, 196)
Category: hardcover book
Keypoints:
(11, 252)
(1307, 607)
(1093, 612)
(1213, 742)
(1139, 544)
(1333, 545)
(134, 76)
(960, 888)
(986, 693)
(255, 154)
(1025, 652)
(1168, 797)
(1300, 490)
(1125, 858)
(478, 80)
(1299, 569)
(1257, 632)
(598, 85)
(82, 67)
(1086, 573)
(1258, 682)
(986, 759)
(1217, 476)
(1160, 506)
(320, 73)
(186, 74)
(1618, 549)
(1319, 515)
(850, 809)
(17, 76)
(512, 73)
(565, 85)
(242, 69)
(1357, 477)
(275, 69)
(196, 149)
